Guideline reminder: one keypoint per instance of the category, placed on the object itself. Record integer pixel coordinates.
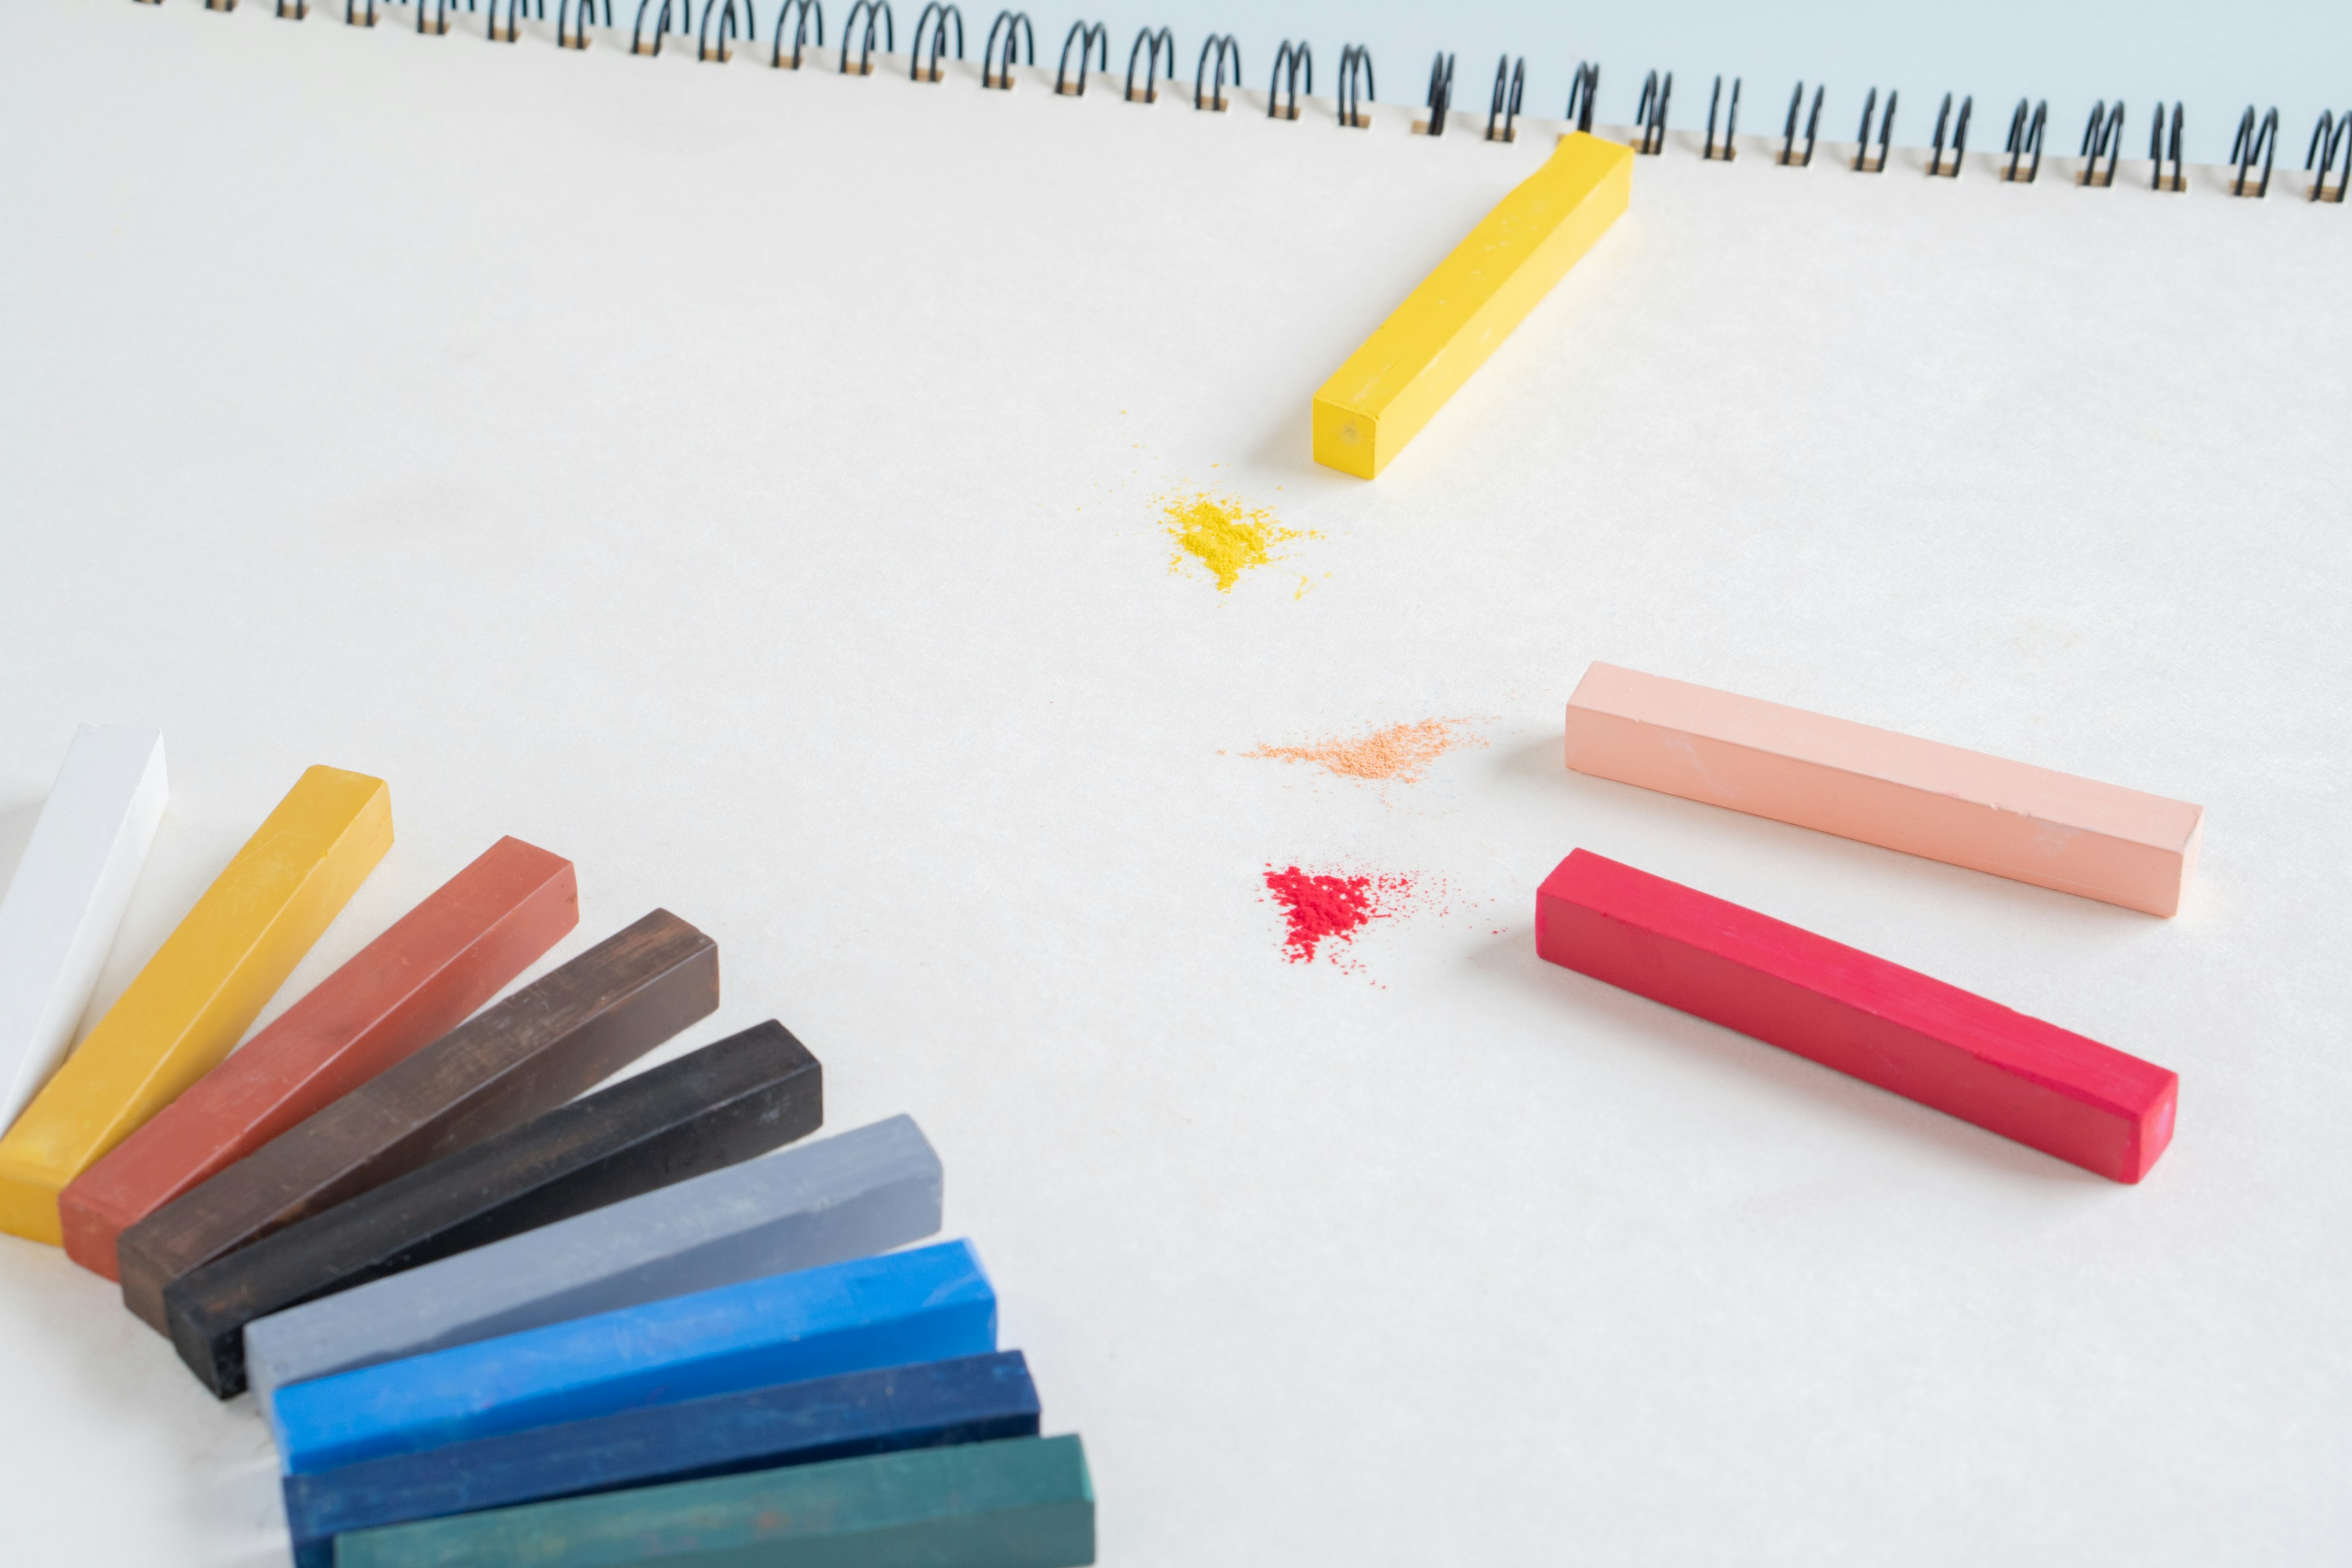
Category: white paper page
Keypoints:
(749, 484)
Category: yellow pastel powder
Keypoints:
(1224, 536)
(1400, 752)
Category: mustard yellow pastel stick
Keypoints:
(201, 991)
(1422, 354)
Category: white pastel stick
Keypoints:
(851, 1195)
(66, 902)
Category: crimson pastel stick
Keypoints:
(1948, 1048)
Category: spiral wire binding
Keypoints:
(572, 35)
(1503, 103)
(936, 17)
(1012, 39)
(1152, 45)
(2158, 180)
(1441, 95)
(2025, 137)
(1863, 164)
(661, 26)
(804, 10)
(1726, 152)
(874, 11)
(1356, 61)
(2252, 142)
(1288, 61)
(2326, 136)
(1959, 140)
(513, 32)
(1650, 118)
(1583, 87)
(704, 49)
(995, 67)
(1091, 37)
(1219, 46)
(1789, 156)
(2102, 136)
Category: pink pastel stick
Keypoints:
(2045, 1087)
(1923, 797)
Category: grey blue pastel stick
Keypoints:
(851, 1195)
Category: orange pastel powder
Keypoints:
(1400, 752)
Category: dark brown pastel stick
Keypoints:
(540, 1046)
(731, 1100)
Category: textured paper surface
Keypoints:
(718, 475)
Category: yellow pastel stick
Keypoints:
(201, 991)
(1420, 355)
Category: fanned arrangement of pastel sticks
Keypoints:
(493, 1316)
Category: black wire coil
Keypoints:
(1441, 94)
(705, 49)
(2330, 135)
(1092, 38)
(1290, 61)
(933, 25)
(2255, 140)
(1863, 164)
(803, 12)
(1209, 94)
(875, 12)
(1650, 117)
(1789, 156)
(1726, 151)
(1356, 88)
(1582, 88)
(1152, 45)
(2024, 138)
(2102, 136)
(1959, 140)
(996, 59)
(1503, 103)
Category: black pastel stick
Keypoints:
(741, 1097)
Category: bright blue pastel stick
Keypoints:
(923, 1305)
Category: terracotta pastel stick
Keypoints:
(67, 896)
(707, 1110)
(851, 1195)
(966, 1399)
(2046, 1088)
(924, 1305)
(2032, 825)
(201, 991)
(1020, 1502)
(405, 989)
(557, 1036)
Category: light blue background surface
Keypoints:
(2296, 55)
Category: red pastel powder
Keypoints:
(1318, 906)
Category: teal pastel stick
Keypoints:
(924, 1305)
(1023, 1502)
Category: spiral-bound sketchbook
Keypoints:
(875, 519)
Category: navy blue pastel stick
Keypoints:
(970, 1399)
